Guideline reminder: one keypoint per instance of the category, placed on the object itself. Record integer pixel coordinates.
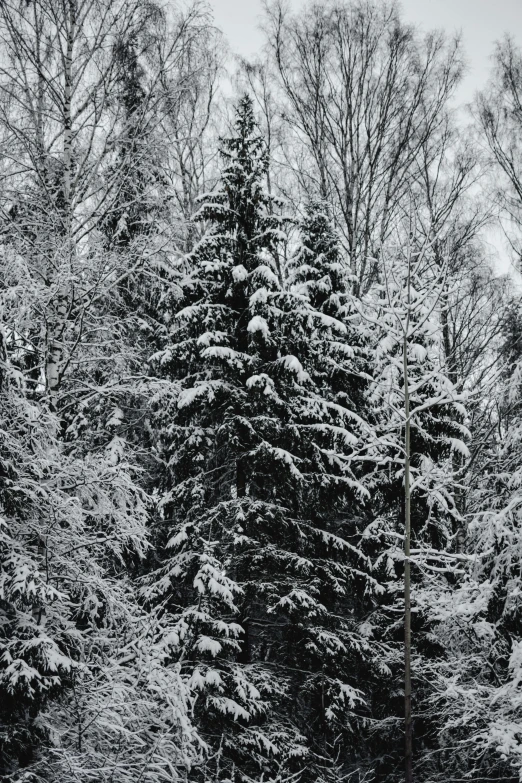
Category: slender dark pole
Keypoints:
(407, 572)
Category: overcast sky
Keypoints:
(482, 22)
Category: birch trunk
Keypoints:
(62, 299)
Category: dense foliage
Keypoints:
(253, 349)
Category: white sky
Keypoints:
(482, 22)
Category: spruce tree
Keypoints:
(318, 264)
(74, 692)
(260, 490)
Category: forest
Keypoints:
(260, 399)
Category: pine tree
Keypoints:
(201, 437)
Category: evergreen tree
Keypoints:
(318, 264)
(258, 488)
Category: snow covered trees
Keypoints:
(258, 445)
(232, 427)
(82, 681)
(478, 618)
(83, 687)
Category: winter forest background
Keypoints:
(254, 348)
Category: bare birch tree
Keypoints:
(69, 150)
(499, 113)
(363, 93)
